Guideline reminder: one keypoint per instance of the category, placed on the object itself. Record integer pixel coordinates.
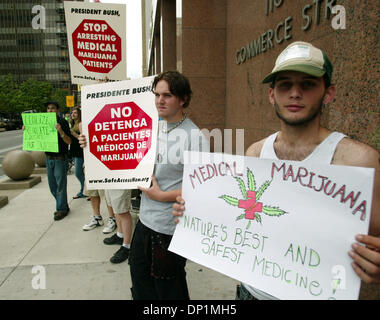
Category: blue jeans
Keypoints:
(79, 173)
(57, 178)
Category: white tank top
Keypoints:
(322, 154)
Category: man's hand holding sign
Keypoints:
(366, 258)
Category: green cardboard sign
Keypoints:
(40, 133)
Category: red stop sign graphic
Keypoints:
(120, 135)
(97, 46)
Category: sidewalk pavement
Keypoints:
(76, 262)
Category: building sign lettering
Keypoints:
(311, 13)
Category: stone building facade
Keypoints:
(227, 47)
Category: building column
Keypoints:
(168, 27)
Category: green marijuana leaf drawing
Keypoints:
(250, 202)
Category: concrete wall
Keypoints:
(203, 59)
(353, 52)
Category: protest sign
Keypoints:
(69, 101)
(96, 36)
(40, 133)
(283, 227)
(120, 122)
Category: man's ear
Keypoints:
(271, 96)
(329, 94)
(183, 102)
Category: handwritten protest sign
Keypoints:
(96, 36)
(120, 122)
(40, 133)
(283, 227)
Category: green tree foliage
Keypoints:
(59, 95)
(8, 91)
(32, 95)
(29, 95)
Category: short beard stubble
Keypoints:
(299, 122)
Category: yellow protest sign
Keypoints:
(70, 101)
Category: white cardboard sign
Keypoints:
(283, 227)
(120, 122)
(96, 35)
